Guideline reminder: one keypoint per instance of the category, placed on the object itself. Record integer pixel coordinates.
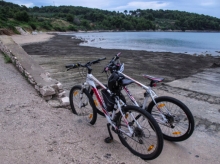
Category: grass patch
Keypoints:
(7, 59)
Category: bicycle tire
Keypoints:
(149, 138)
(181, 114)
(87, 109)
(98, 107)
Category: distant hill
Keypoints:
(72, 18)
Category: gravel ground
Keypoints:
(33, 132)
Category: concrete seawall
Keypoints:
(49, 88)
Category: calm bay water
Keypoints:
(184, 42)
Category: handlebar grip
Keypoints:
(118, 54)
(103, 58)
(98, 60)
(71, 66)
(115, 57)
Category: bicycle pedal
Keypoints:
(108, 140)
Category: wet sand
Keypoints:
(169, 65)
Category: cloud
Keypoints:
(207, 4)
(84, 3)
(28, 4)
(144, 5)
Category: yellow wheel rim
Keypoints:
(150, 147)
(177, 133)
(161, 105)
(96, 103)
(75, 93)
(90, 116)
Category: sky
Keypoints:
(206, 7)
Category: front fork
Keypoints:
(115, 128)
(153, 95)
(87, 87)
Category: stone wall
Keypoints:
(50, 89)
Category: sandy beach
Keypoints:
(28, 39)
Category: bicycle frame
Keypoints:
(90, 82)
(149, 93)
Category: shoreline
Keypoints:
(63, 49)
(199, 31)
(46, 36)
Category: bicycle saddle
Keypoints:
(154, 79)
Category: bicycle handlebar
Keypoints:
(111, 63)
(72, 66)
(115, 57)
(97, 61)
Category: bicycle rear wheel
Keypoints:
(82, 104)
(180, 121)
(147, 139)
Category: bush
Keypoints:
(2, 17)
(47, 26)
(33, 26)
(7, 59)
(57, 28)
(69, 18)
(22, 16)
(71, 28)
(40, 19)
(11, 26)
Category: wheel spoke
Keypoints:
(144, 140)
(174, 118)
(80, 104)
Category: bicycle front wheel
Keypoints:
(147, 139)
(174, 118)
(82, 104)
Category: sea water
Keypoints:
(176, 42)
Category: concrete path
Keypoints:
(31, 131)
(206, 82)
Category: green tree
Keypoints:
(70, 18)
(85, 23)
(150, 17)
(71, 28)
(22, 16)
